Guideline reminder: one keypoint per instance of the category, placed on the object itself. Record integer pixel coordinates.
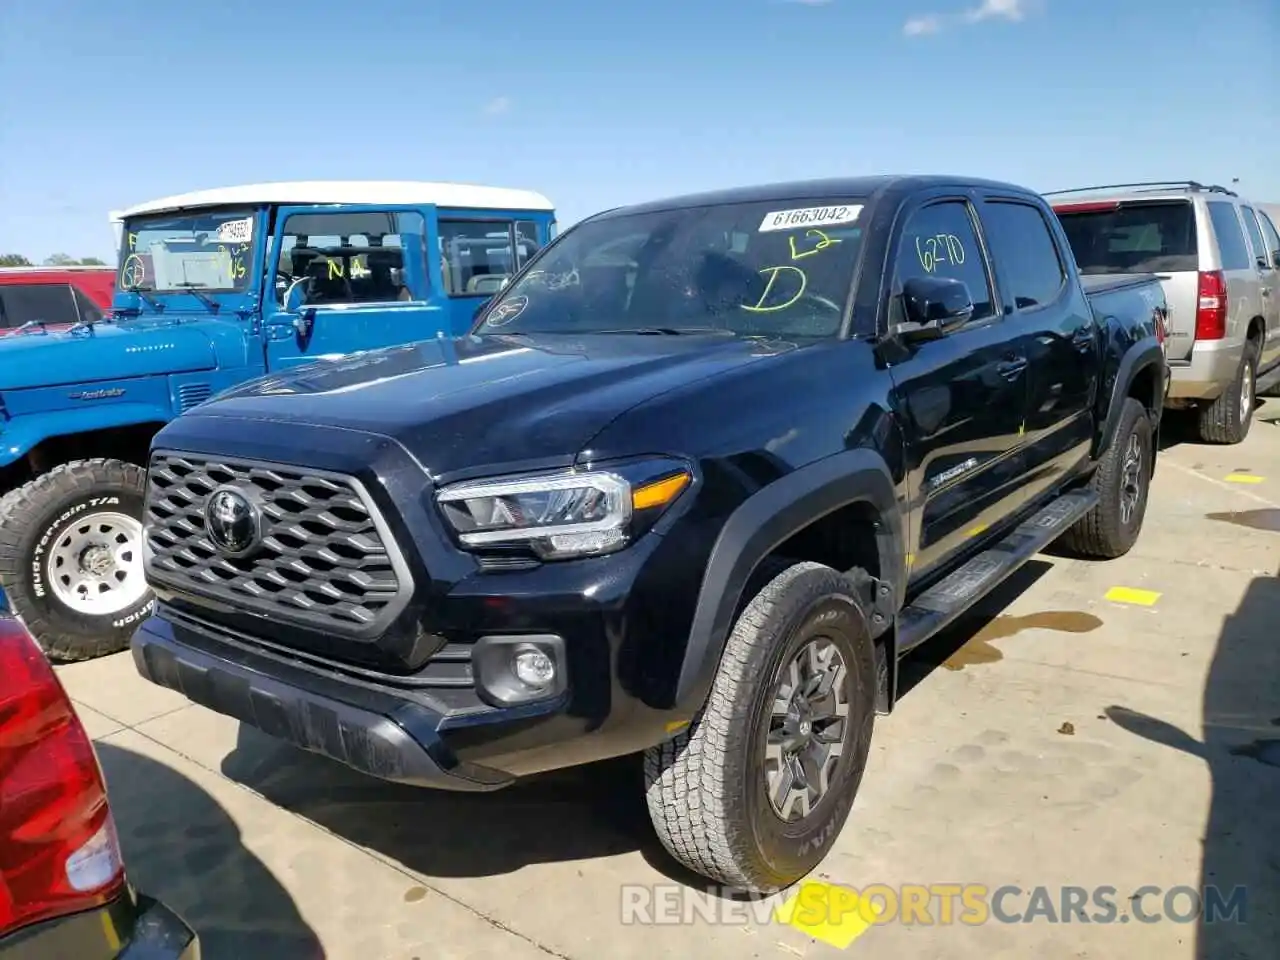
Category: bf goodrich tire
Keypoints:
(71, 557)
(1123, 484)
(1227, 420)
(754, 793)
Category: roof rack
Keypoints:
(1149, 185)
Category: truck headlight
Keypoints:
(558, 515)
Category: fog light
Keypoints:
(533, 668)
(512, 670)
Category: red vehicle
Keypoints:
(55, 297)
(63, 890)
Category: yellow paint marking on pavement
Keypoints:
(1243, 478)
(1141, 598)
(1173, 464)
(833, 914)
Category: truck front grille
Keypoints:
(324, 560)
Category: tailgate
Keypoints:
(1142, 236)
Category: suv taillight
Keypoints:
(1211, 308)
(58, 848)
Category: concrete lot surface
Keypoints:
(1074, 736)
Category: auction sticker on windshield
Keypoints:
(810, 217)
(236, 231)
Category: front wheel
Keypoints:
(71, 557)
(755, 792)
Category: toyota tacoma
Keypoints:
(697, 479)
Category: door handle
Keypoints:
(1012, 368)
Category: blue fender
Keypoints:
(21, 434)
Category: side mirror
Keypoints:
(934, 306)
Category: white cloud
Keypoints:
(919, 26)
(1011, 10)
(1002, 9)
(497, 106)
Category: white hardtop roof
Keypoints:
(349, 191)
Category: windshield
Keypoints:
(753, 269)
(1131, 237)
(188, 251)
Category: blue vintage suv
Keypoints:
(215, 288)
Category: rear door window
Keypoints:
(1271, 235)
(1231, 246)
(1136, 237)
(1255, 237)
(1024, 253)
(51, 303)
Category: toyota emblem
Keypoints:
(232, 521)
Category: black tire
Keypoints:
(39, 515)
(706, 788)
(1227, 420)
(1104, 532)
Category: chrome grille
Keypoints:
(326, 559)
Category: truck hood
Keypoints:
(105, 351)
(482, 402)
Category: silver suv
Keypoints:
(1219, 259)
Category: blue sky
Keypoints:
(598, 104)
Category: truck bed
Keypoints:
(1096, 284)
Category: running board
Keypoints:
(946, 600)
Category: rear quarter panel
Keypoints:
(1131, 313)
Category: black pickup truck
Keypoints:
(703, 472)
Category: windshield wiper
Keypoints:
(663, 331)
(141, 291)
(194, 290)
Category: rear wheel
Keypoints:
(1228, 418)
(1122, 482)
(755, 792)
(71, 557)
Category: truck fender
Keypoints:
(22, 434)
(766, 519)
(1142, 354)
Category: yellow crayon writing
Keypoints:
(773, 273)
(940, 248)
(823, 242)
(133, 241)
(335, 269)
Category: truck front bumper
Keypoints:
(397, 735)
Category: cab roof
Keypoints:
(868, 187)
(348, 191)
